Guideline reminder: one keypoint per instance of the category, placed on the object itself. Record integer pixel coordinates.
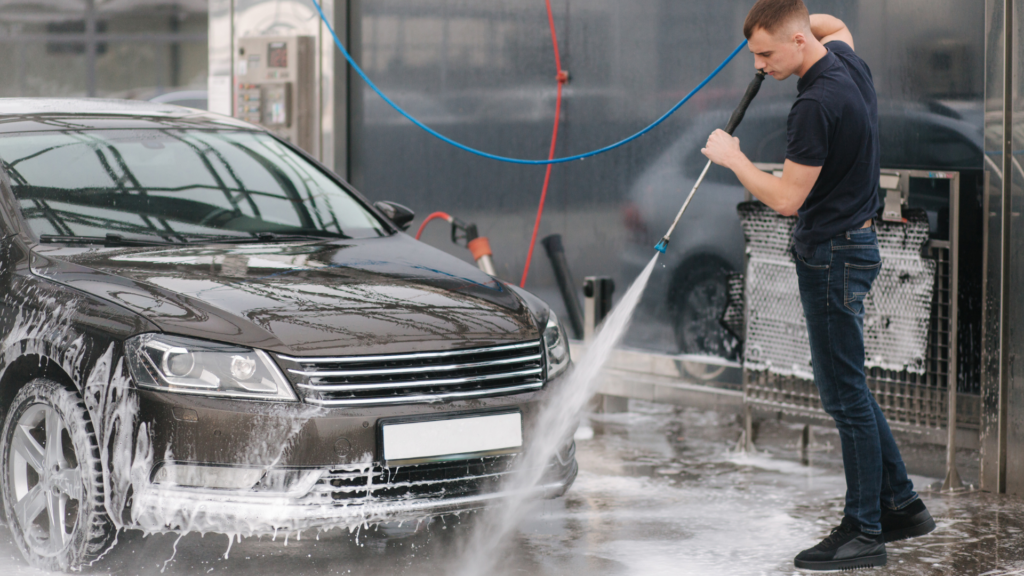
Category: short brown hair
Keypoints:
(772, 15)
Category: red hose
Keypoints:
(433, 216)
(562, 77)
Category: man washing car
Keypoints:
(830, 182)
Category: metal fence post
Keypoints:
(952, 481)
(1005, 259)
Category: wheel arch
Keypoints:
(25, 368)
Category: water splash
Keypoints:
(554, 427)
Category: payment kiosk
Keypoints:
(275, 84)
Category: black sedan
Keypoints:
(203, 329)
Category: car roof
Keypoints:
(36, 114)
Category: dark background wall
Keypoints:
(482, 72)
(114, 48)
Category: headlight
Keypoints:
(557, 346)
(191, 366)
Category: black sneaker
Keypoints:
(913, 520)
(846, 548)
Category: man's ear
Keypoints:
(799, 39)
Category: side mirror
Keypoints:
(400, 215)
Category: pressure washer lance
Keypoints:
(734, 121)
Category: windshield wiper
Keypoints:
(262, 237)
(108, 240)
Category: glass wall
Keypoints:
(1002, 433)
(483, 73)
(112, 48)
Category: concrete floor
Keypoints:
(659, 492)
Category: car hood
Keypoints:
(349, 297)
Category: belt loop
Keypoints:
(847, 234)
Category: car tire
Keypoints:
(698, 301)
(50, 469)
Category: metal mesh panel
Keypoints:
(896, 310)
(776, 331)
(906, 327)
(732, 315)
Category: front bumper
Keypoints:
(161, 509)
(325, 463)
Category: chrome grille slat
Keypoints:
(419, 383)
(429, 398)
(413, 356)
(433, 480)
(373, 486)
(417, 370)
(418, 377)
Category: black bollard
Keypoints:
(597, 292)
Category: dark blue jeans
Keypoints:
(833, 284)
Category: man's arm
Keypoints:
(784, 195)
(828, 28)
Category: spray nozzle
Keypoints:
(463, 233)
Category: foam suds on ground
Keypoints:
(661, 491)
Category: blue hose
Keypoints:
(444, 138)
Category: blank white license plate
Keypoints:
(453, 438)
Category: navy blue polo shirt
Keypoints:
(834, 124)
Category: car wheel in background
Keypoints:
(698, 299)
(51, 479)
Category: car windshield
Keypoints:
(176, 186)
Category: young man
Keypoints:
(830, 182)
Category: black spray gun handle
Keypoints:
(737, 115)
(462, 233)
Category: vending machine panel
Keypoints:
(276, 88)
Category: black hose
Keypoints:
(737, 115)
(553, 246)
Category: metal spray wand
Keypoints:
(734, 121)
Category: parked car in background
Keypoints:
(198, 99)
(203, 329)
(708, 244)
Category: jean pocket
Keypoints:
(857, 284)
(814, 262)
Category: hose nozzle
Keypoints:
(662, 246)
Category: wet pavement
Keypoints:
(660, 491)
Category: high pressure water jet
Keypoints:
(560, 413)
(556, 422)
(734, 121)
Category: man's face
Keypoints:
(781, 54)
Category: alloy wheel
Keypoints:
(698, 330)
(46, 479)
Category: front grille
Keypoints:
(418, 377)
(435, 480)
